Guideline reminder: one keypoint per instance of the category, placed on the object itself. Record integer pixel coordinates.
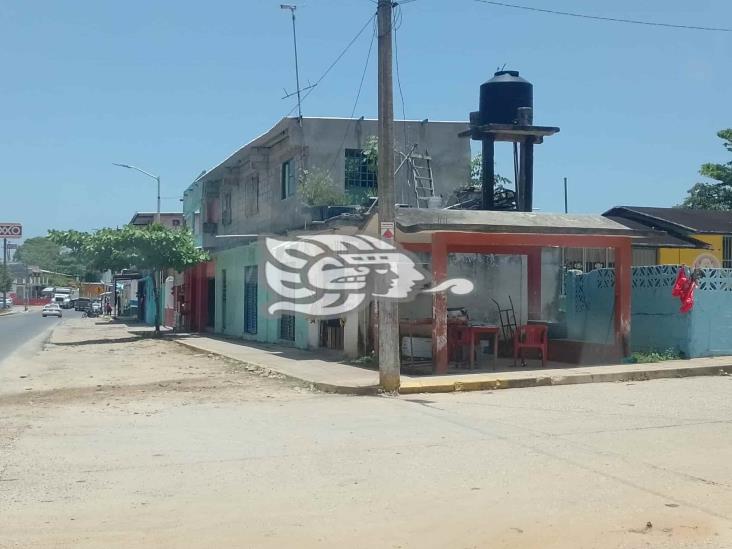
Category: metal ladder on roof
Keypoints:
(422, 177)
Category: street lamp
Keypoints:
(155, 177)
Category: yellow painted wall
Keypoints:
(678, 256)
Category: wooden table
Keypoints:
(454, 327)
(478, 330)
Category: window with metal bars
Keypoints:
(288, 179)
(359, 174)
(251, 196)
(727, 252)
(287, 327)
(226, 210)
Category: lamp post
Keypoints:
(155, 177)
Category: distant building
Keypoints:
(698, 238)
(167, 219)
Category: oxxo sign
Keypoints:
(11, 230)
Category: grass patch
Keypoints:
(655, 356)
(366, 361)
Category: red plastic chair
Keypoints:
(530, 336)
(457, 340)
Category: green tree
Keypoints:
(476, 174)
(153, 248)
(41, 251)
(316, 188)
(6, 281)
(715, 195)
(371, 153)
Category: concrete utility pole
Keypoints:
(5, 266)
(388, 309)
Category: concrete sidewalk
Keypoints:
(330, 374)
(15, 310)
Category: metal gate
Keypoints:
(251, 287)
(223, 299)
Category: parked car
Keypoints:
(52, 309)
(7, 303)
(82, 304)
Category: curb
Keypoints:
(319, 385)
(492, 384)
(546, 381)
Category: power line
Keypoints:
(355, 103)
(334, 63)
(599, 18)
(397, 23)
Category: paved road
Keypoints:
(155, 446)
(19, 328)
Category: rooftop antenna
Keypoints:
(292, 8)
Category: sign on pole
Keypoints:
(11, 230)
(387, 230)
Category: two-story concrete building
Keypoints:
(254, 191)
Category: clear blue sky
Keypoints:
(174, 87)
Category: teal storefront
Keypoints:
(242, 298)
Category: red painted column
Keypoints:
(202, 313)
(533, 268)
(623, 289)
(188, 298)
(439, 305)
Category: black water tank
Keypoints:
(502, 95)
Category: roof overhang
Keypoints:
(128, 276)
(414, 220)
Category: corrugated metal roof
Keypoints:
(686, 220)
(659, 239)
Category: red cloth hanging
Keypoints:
(687, 297)
(681, 282)
(684, 290)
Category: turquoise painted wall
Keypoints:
(192, 201)
(656, 323)
(711, 318)
(591, 306)
(149, 301)
(268, 328)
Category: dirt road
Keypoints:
(107, 440)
